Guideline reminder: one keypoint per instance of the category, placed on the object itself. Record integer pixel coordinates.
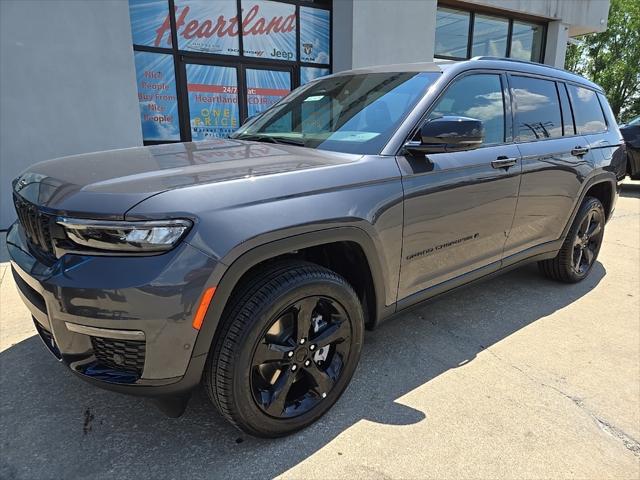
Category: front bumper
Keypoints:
(124, 323)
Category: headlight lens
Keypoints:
(153, 236)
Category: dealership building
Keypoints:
(82, 76)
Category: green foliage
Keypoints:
(612, 58)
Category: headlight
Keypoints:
(153, 236)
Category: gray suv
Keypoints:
(253, 264)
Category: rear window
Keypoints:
(537, 109)
(586, 110)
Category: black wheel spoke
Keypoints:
(270, 352)
(276, 400)
(323, 382)
(588, 255)
(578, 260)
(294, 367)
(303, 317)
(594, 230)
(332, 333)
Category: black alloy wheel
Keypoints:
(587, 240)
(301, 357)
(581, 246)
(288, 344)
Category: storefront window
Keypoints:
(452, 33)
(526, 41)
(462, 34)
(207, 26)
(213, 101)
(146, 16)
(269, 29)
(157, 96)
(265, 88)
(314, 35)
(307, 74)
(490, 36)
(231, 60)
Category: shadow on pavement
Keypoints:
(56, 426)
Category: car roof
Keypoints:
(491, 63)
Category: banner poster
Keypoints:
(207, 26)
(213, 101)
(308, 74)
(265, 88)
(146, 16)
(314, 35)
(269, 29)
(157, 96)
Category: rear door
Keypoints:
(555, 160)
(459, 206)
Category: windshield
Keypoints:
(635, 121)
(355, 113)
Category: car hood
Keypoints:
(110, 183)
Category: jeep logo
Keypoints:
(281, 54)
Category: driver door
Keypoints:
(459, 206)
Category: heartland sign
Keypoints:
(267, 28)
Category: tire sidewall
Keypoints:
(247, 409)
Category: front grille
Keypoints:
(37, 226)
(124, 355)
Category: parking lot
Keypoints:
(516, 377)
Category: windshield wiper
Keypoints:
(272, 139)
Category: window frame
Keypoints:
(573, 110)
(183, 57)
(491, 13)
(507, 102)
(558, 82)
(515, 110)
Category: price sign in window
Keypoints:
(213, 101)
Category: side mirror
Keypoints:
(448, 134)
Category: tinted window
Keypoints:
(476, 96)
(586, 110)
(452, 32)
(537, 109)
(567, 117)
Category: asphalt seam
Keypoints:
(627, 440)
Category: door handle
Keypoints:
(504, 162)
(579, 151)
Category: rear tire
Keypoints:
(581, 246)
(288, 345)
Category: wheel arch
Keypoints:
(291, 246)
(603, 186)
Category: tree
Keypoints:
(612, 58)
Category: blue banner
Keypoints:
(315, 25)
(213, 101)
(146, 16)
(265, 88)
(307, 74)
(208, 26)
(269, 29)
(157, 96)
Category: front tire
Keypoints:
(289, 344)
(581, 246)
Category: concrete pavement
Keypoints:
(517, 377)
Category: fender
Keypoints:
(602, 177)
(272, 249)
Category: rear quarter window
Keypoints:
(586, 110)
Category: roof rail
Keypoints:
(515, 60)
